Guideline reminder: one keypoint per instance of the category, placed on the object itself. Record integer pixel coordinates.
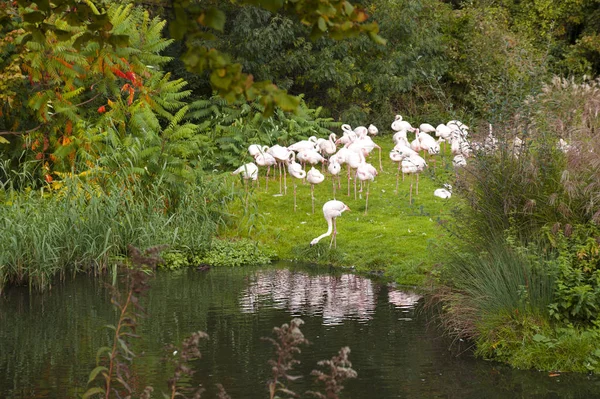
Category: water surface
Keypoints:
(48, 342)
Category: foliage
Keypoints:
(287, 341)
(112, 363)
(577, 289)
(84, 224)
(531, 343)
(181, 358)
(231, 253)
(357, 79)
(236, 253)
(568, 28)
(90, 103)
(500, 283)
(228, 129)
(340, 369)
(491, 69)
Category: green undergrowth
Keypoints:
(527, 342)
(396, 237)
(240, 252)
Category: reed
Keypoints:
(81, 227)
(485, 290)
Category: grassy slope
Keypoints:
(400, 238)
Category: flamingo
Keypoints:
(281, 154)
(309, 144)
(366, 172)
(328, 146)
(413, 164)
(372, 129)
(314, 177)
(368, 144)
(268, 160)
(331, 210)
(256, 149)
(334, 168)
(295, 170)
(399, 124)
(248, 171)
(445, 192)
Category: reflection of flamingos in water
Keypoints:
(337, 298)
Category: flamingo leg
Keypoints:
(312, 196)
(284, 181)
(355, 173)
(279, 167)
(417, 184)
(411, 185)
(294, 197)
(397, 176)
(333, 240)
(267, 179)
(333, 184)
(348, 166)
(367, 201)
(380, 164)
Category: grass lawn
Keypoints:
(402, 239)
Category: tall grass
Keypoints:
(539, 184)
(81, 226)
(487, 289)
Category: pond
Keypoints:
(49, 341)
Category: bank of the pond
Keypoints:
(393, 235)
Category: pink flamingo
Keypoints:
(331, 210)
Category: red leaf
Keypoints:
(102, 109)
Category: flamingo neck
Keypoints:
(328, 233)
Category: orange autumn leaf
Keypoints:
(102, 109)
(69, 127)
(48, 178)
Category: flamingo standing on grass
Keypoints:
(314, 177)
(331, 210)
(295, 170)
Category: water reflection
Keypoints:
(48, 343)
(334, 298)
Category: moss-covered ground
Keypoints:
(400, 238)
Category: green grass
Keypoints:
(402, 238)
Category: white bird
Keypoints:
(413, 164)
(309, 144)
(281, 154)
(268, 160)
(459, 161)
(445, 192)
(400, 137)
(368, 144)
(310, 156)
(334, 168)
(295, 170)
(256, 149)
(248, 171)
(399, 124)
(372, 129)
(314, 177)
(327, 147)
(331, 210)
(366, 172)
(426, 127)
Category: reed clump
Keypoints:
(84, 224)
(524, 279)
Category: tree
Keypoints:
(195, 21)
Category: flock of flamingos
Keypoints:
(355, 145)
